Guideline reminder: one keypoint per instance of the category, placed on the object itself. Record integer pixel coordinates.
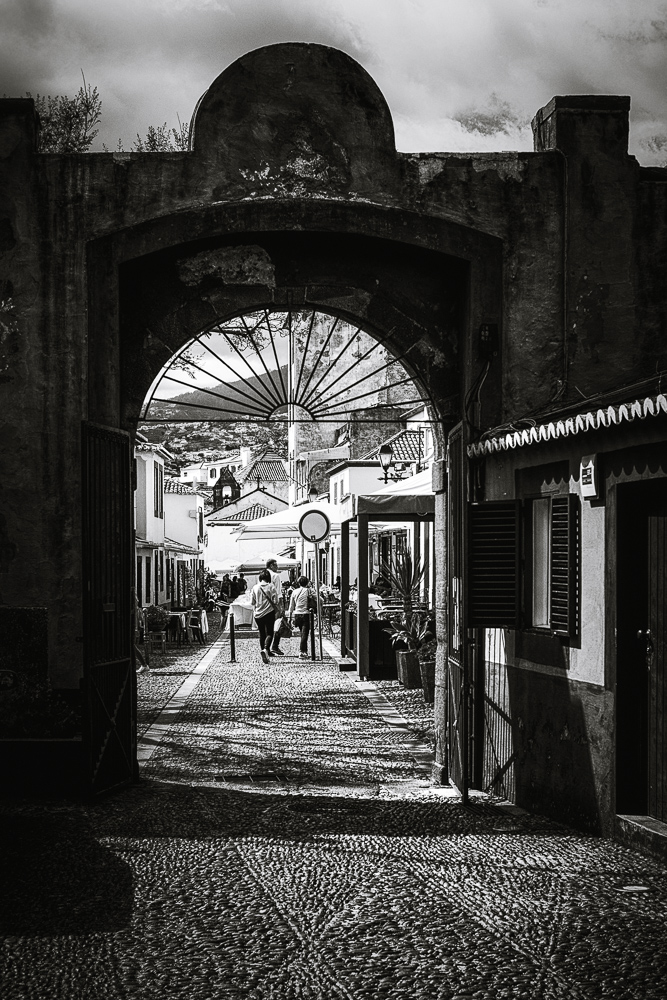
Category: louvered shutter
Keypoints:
(493, 567)
(564, 611)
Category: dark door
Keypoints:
(641, 745)
(108, 560)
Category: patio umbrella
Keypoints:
(255, 564)
(285, 523)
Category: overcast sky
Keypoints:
(458, 74)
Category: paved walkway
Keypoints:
(284, 843)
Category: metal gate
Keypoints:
(109, 674)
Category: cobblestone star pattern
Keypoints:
(281, 846)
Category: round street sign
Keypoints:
(314, 526)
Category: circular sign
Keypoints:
(314, 526)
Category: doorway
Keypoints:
(641, 690)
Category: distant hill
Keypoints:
(233, 399)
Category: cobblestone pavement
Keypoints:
(282, 845)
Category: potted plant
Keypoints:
(410, 628)
(408, 639)
(155, 618)
(426, 656)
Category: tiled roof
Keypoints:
(173, 486)
(268, 467)
(406, 446)
(592, 420)
(247, 514)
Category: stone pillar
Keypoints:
(441, 766)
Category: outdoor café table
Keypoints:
(243, 613)
(197, 624)
(328, 610)
(176, 626)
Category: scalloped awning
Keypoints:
(592, 420)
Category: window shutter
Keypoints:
(564, 610)
(493, 567)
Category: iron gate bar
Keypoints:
(362, 395)
(209, 392)
(305, 350)
(321, 354)
(376, 371)
(193, 364)
(258, 353)
(236, 349)
(199, 339)
(348, 370)
(275, 353)
(333, 364)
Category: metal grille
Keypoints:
(499, 756)
(273, 366)
(493, 564)
(109, 678)
(565, 565)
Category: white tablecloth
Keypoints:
(243, 613)
(204, 623)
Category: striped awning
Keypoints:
(580, 423)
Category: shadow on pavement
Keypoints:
(55, 878)
(161, 809)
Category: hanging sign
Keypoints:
(314, 526)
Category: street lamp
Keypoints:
(385, 454)
(312, 493)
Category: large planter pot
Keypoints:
(427, 669)
(381, 655)
(408, 669)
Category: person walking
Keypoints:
(272, 567)
(299, 613)
(264, 600)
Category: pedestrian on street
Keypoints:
(299, 613)
(272, 567)
(243, 584)
(264, 600)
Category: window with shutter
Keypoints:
(564, 565)
(493, 564)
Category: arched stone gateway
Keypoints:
(519, 281)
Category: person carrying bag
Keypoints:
(264, 600)
(299, 612)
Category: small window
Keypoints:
(541, 562)
(212, 473)
(335, 492)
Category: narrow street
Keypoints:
(284, 842)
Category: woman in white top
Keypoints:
(264, 600)
(298, 609)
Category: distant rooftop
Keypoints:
(247, 514)
(406, 446)
(267, 467)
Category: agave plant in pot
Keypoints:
(410, 629)
(408, 641)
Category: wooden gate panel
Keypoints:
(656, 650)
(109, 674)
